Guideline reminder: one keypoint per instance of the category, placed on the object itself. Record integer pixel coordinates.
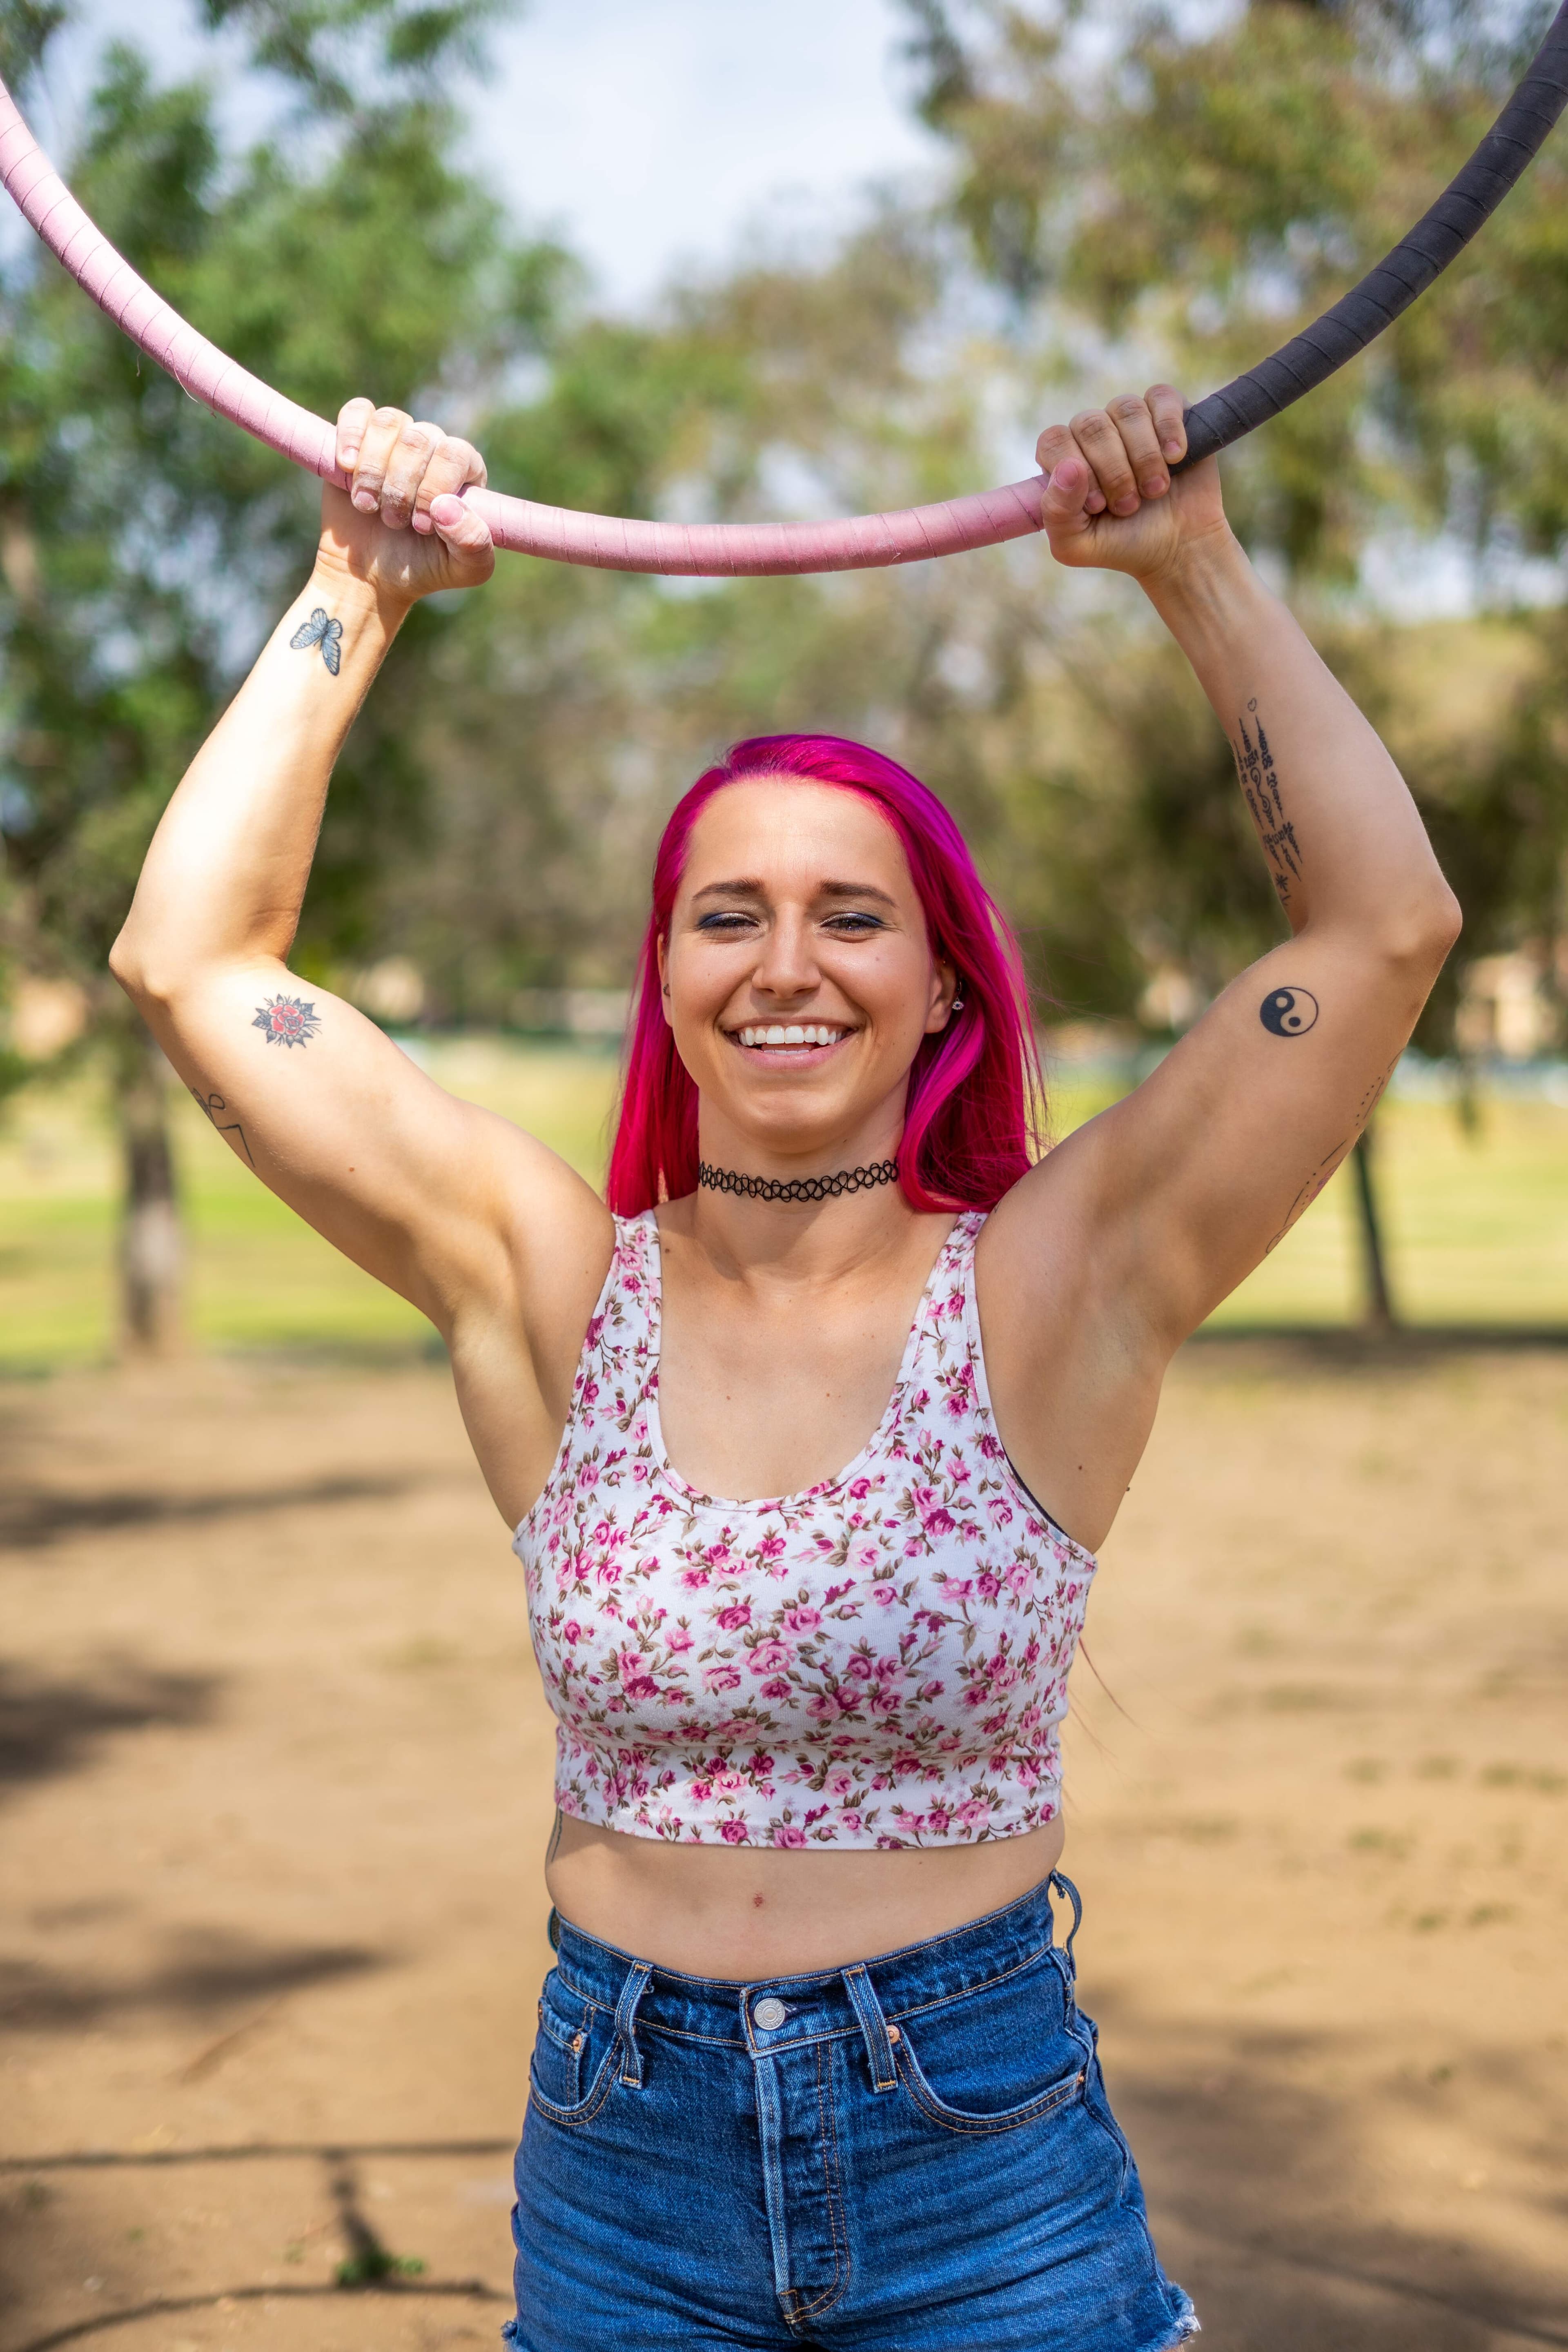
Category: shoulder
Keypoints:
(551, 1242)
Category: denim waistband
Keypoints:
(862, 1997)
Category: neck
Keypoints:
(793, 1242)
(806, 1241)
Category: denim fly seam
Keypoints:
(913, 2151)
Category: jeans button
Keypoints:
(769, 2013)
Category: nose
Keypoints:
(786, 967)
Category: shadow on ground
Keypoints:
(205, 1972)
(51, 1724)
(33, 1518)
(1267, 2208)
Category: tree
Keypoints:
(145, 546)
(1180, 206)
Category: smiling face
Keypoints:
(799, 979)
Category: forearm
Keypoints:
(1344, 843)
(225, 873)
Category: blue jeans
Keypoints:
(912, 2152)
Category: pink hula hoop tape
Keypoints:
(612, 544)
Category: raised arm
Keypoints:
(463, 1215)
(1177, 1193)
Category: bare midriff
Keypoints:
(746, 1913)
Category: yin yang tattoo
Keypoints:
(1288, 1012)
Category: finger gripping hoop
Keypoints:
(732, 549)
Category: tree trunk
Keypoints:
(1377, 1310)
(152, 1240)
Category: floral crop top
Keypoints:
(879, 1661)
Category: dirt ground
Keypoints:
(274, 1787)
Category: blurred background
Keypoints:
(725, 259)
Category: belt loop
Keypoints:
(553, 1929)
(874, 2025)
(1055, 1882)
(632, 1992)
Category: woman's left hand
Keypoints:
(1112, 501)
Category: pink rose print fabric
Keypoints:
(879, 1661)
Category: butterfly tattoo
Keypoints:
(320, 631)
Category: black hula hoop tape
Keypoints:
(614, 542)
(1356, 319)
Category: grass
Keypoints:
(1477, 1230)
(1476, 1227)
(259, 1278)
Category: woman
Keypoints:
(810, 2069)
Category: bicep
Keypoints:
(1201, 1170)
(413, 1185)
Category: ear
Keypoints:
(661, 946)
(944, 989)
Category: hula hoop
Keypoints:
(733, 550)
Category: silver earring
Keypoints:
(956, 1007)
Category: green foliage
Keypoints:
(144, 544)
(1177, 212)
(337, 50)
(1143, 202)
(27, 27)
(1196, 200)
(1175, 205)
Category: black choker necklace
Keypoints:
(797, 1188)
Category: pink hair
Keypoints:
(972, 1122)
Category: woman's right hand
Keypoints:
(400, 526)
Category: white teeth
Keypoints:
(803, 1032)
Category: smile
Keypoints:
(794, 1036)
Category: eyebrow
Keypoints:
(749, 888)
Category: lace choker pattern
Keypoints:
(797, 1188)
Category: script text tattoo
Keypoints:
(1260, 783)
(214, 1106)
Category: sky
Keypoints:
(656, 129)
(648, 133)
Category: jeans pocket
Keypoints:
(1097, 2103)
(571, 2050)
(995, 2058)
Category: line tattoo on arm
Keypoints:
(1327, 1166)
(321, 630)
(287, 1021)
(1260, 784)
(213, 1105)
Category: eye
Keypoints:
(854, 925)
(726, 919)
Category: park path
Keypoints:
(274, 1787)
